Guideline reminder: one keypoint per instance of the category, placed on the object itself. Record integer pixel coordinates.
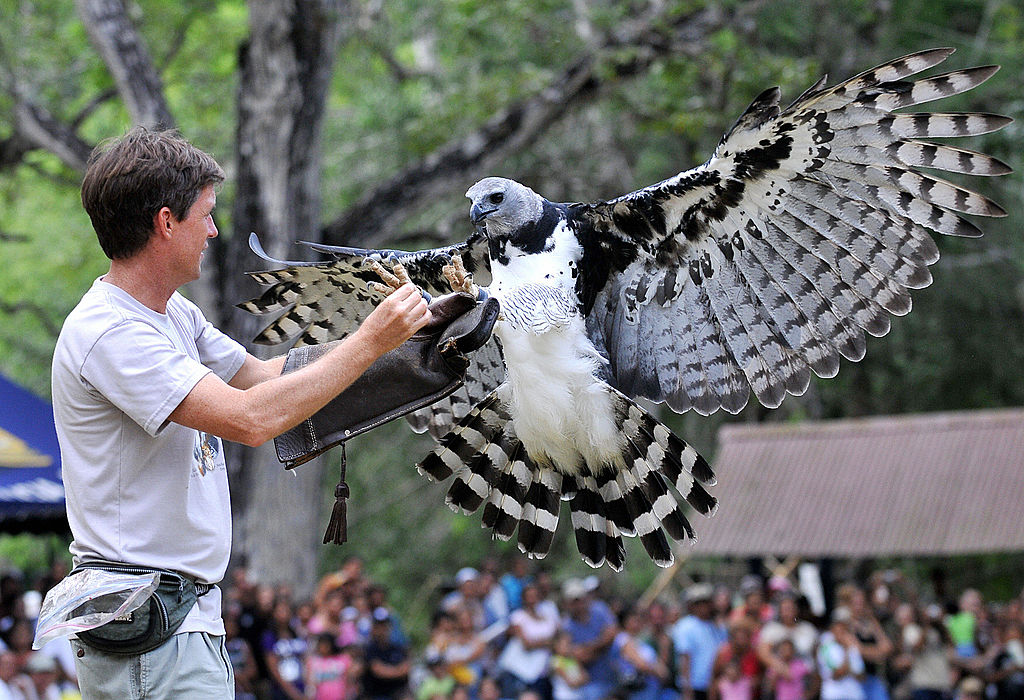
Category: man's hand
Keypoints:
(403, 312)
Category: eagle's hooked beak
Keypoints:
(478, 215)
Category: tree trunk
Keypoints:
(285, 69)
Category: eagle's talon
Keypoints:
(458, 279)
(392, 280)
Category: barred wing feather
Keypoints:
(324, 301)
(805, 230)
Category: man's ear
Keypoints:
(163, 220)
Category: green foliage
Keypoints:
(32, 555)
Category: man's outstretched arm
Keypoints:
(259, 404)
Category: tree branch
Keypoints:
(41, 129)
(381, 210)
(11, 308)
(6, 237)
(126, 56)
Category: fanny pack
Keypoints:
(150, 625)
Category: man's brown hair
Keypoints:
(128, 180)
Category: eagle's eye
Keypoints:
(496, 198)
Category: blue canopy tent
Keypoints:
(31, 489)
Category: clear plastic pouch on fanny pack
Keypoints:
(88, 599)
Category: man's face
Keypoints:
(192, 233)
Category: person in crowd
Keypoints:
(492, 595)
(738, 651)
(514, 580)
(697, 638)
(241, 657)
(874, 644)
(326, 617)
(567, 674)
(721, 605)
(731, 684)
(13, 683)
(789, 677)
(754, 606)
(1005, 668)
(465, 653)
(438, 683)
(963, 624)
(467, 596)
(489, 689)
(43, 671)
(376, 596)
(331, 672)
(641, 673)
(18, 639)
(802, 633)
(926, 653)
(659, 624)
(386, 665)
(524, 661)
(592, 627)
(970, 688)
(839, 662)
(284, 651)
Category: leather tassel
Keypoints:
(337, 528)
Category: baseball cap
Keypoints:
(467, 573)
(574, 589)
(699, 591)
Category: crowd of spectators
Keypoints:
(513, 633)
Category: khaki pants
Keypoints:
(188, 665)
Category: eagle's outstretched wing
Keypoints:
(317, 302)
(805, 229)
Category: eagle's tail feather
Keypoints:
(672, 457)
(589, 522)
(472, 435)
(646, 522)
(491, 468)
(540, 512)
(505, 503)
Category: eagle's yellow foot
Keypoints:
(393, 279)
(458, 278)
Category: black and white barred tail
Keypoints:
(637, 498)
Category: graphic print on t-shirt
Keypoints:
(204, 455)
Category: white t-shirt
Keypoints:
(803, 635)
(832, 655)
(528, 665)
(139, 488)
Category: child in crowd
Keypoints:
(331, 673)
(567, 674)
(790, 684)
(732, 684)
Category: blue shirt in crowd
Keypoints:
(698, 639)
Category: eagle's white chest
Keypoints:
(561, 411)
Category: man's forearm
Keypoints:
(268, 408)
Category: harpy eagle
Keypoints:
(804, 231)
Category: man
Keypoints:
(386, 664)
(144, 389)
(592, 629)
(697, 639)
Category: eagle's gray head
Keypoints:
(501, 207)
